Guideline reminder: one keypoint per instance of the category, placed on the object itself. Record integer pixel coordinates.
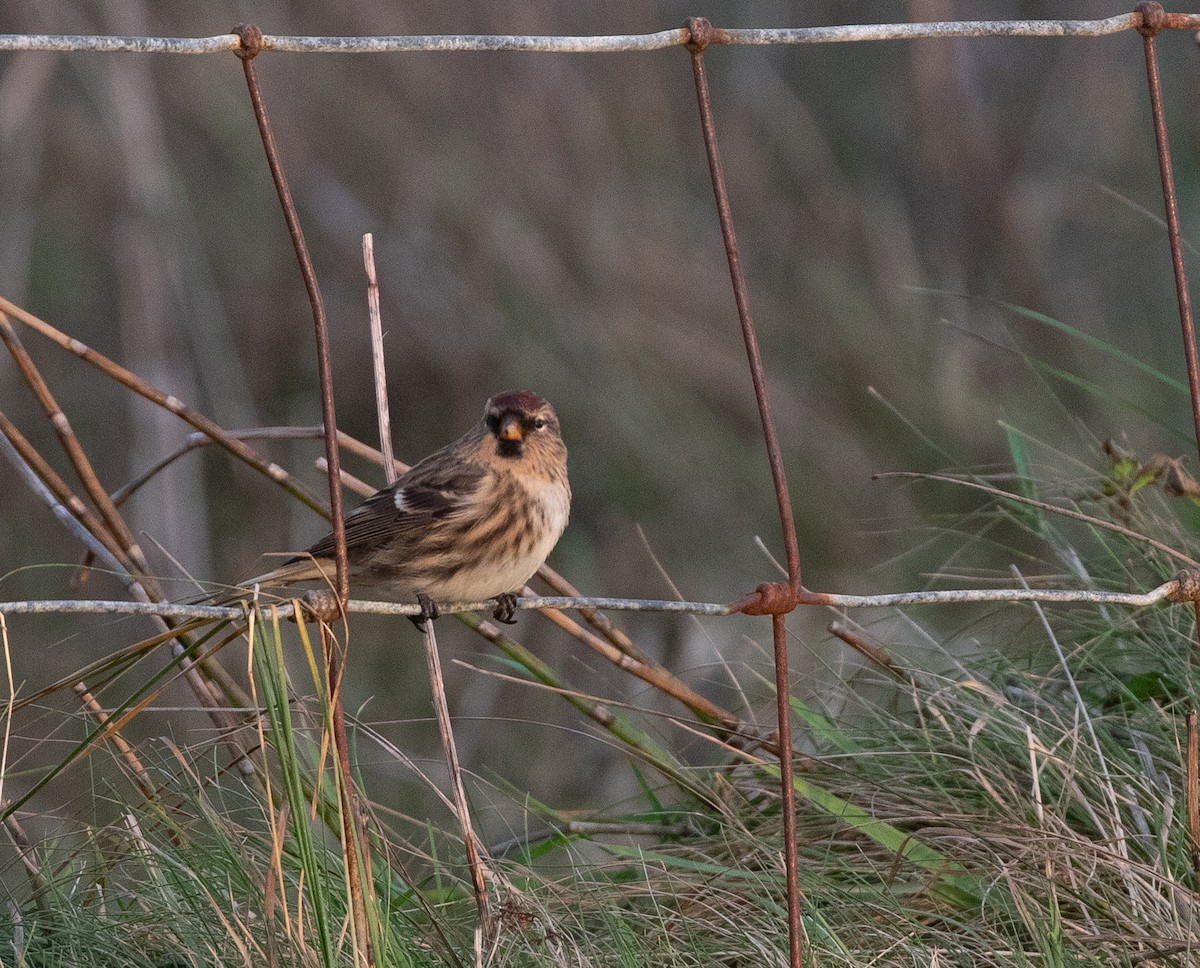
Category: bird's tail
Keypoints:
(294, 571)
(291, 573)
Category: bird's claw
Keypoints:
(322, 604)
(506, 608)
(429, 611)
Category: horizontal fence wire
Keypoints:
(675, 37)
(1167, 591)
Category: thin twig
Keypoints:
(196, 440)
(37, 880)
(140, 776)
(381, 393)
(76, 454)
(224, 722)
(474, 848)
(62, 492)
(871, 651)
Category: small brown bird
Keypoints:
(471, 521)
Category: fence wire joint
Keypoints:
(250, 41)
(701, 33)
(1186, 588)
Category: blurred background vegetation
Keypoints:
(546, 221)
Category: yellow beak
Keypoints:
(510, 428)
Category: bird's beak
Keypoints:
(510, 428)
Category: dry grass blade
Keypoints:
(871, 651)
(1192, 779)
(355, 839)
(194, 679)
(1052, 508)
(140, 776)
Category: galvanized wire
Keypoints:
(898, 600)
(674, 37)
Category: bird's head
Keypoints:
(521, 420)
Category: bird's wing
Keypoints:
(431, 491)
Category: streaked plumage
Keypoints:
(471, 521)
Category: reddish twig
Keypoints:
(131, 381)
(75, 452)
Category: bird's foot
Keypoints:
(429, 611)
(506, 608)
(322, 604)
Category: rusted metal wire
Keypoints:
(1153, 18)
(775, 599)
(251, 44)
(659, 40)
(783, 711)
(701, 30)
(356, 844)
(781, 599)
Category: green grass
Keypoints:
(924, 838)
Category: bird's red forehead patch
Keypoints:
(523, 401)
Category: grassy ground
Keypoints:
(1023, 806)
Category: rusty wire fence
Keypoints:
(95, 518)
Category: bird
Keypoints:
(472, 521)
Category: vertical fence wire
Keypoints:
(701, 32)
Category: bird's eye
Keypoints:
(492, 421)
(540, 423)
